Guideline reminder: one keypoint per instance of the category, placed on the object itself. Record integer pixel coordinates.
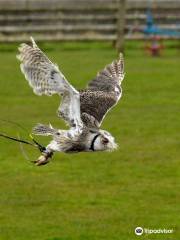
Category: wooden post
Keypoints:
(121, 4)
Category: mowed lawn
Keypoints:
(94, 196)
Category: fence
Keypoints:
(82, 20)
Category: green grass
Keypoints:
(100, 195)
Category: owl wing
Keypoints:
(102, 93)
(45, 78)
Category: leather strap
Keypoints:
(93, 141)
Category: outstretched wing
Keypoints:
(102, 93)
(45, 78)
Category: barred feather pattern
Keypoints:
(102, 93)
(46, 78)
(110, 78)
(44, 130)
(43, 76)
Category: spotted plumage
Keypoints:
(82, 110)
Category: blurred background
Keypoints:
(100, 195)
(107, 20)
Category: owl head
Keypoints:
(103, 141)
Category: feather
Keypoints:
(41, 129)
(46, 78)
(102, 93)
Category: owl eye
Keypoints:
(105, 140)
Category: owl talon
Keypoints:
(43, 159)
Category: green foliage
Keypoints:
(100, 195)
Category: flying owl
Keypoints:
(82, 110)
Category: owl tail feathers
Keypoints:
(43, 130)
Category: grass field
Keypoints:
(98, 196)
